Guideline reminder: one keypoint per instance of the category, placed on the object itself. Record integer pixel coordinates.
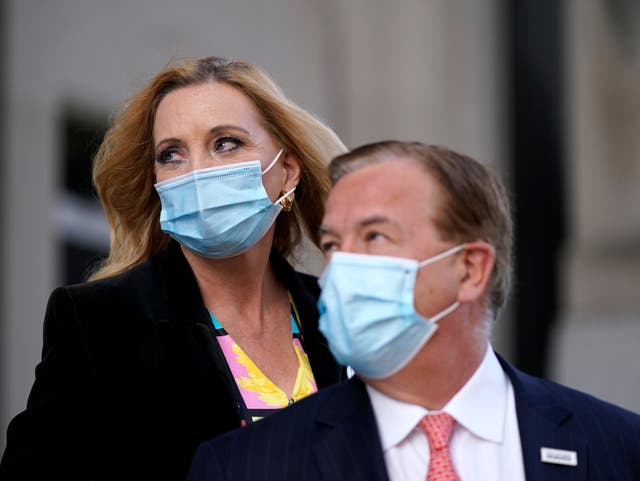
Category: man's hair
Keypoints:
(475, 202)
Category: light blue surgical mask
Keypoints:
(220, 211)
(367, 311)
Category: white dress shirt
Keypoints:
(485, 444)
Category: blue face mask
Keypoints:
(367, 311)
(220, 211)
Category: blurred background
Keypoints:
(545, 91)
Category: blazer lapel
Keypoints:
(346, 443)
(183, 322)
(549, 447)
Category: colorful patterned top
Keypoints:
(256, 395)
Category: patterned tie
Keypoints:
(438, 428)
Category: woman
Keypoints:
(195, 324)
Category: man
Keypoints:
(418, 240)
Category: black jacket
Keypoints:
(132, 378)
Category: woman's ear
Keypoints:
(291, 167)
(479, 259)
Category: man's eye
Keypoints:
(373, 236)
(328, 246)
(225, 144)
(170, 155)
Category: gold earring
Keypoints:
(287, 203)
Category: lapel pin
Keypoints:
(558, 456)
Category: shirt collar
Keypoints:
(395, 419)
(480, 406)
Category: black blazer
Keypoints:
(132, 378)
(333, 436)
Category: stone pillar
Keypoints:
(597, 346)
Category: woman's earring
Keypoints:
(287, 203)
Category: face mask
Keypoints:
(220, 211)
(367, 311)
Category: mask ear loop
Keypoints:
(273, 162)
(284, 196)
(446, 312)
(436, 258)
(442, 255)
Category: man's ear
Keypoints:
(291, 167)
(479, 259)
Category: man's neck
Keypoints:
(431, 381)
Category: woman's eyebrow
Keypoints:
(226, 127)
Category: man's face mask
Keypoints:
(367, 311)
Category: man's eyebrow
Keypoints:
(375, 219)
(323, 230)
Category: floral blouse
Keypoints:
(256, 395)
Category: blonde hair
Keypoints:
(123, 171)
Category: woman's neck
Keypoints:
(240, 287)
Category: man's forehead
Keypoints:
(386, 179)
(380, 190)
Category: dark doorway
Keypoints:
(536, 57)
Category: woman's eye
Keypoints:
(170, 155)
(225, 144)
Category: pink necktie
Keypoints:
(438, 428)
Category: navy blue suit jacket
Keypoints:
(332, 436)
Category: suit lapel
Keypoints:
(543, 423)
(347, 443)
